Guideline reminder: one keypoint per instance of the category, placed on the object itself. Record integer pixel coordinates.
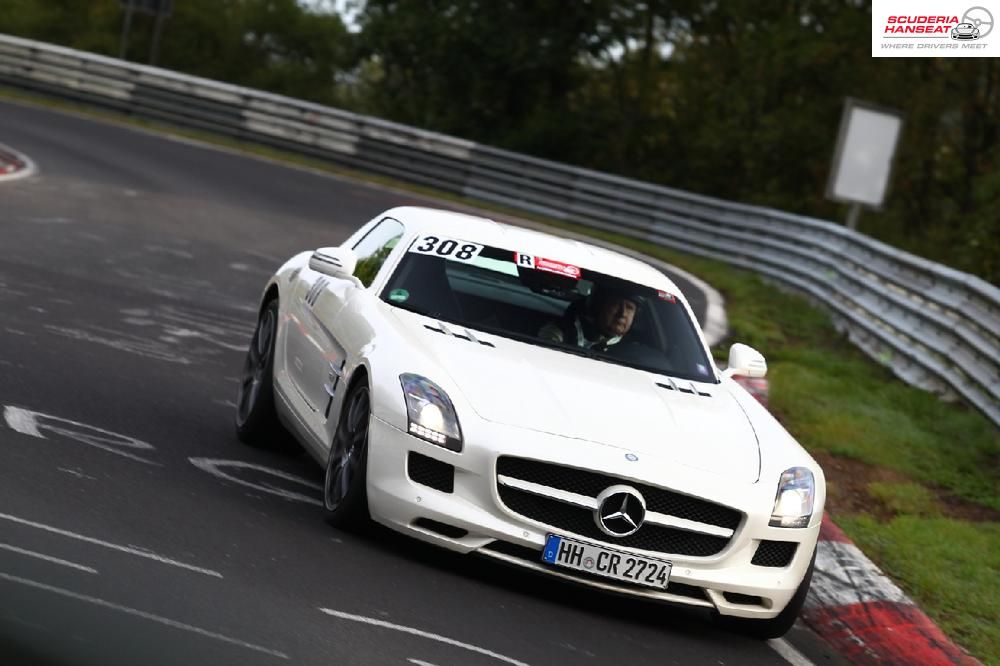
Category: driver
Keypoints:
(605, 318)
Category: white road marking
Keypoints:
(76, 473)
(122, 342)
(29, 165)
(135, 612)
(212, 466)
(423, 634)
(47, 558)
(112, 546)
(419, 662)
(789, 653)
(22, 421)
(32, 423)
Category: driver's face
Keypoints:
(614, 316)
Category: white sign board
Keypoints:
(863, 159)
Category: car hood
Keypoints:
(541, 389)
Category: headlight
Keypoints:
(430, 414)
(793, 504)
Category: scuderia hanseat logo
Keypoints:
(944, 30)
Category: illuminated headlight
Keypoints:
(793, 504)
(430, 414)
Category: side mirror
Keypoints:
(745, 360)
(338, 262)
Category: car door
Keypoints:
(317, 343)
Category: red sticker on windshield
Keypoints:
(547, 265)
(550, 266)
(666, 296)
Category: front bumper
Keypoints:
(472, 517)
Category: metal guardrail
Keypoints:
(937, 328)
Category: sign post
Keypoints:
(126, 27)
(862, 161)
(161, 9)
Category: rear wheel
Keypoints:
(345, 492)
(256, 419)
(775, 627)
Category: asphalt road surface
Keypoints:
(135, 528)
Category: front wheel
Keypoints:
(345, 492)
(775, 627)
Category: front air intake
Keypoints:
(444, 529)
(774, 553)
(430, 472)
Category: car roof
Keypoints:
(484, 231)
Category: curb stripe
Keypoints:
(865, 616)
(829, 531)
(843, 575)
(885, 633)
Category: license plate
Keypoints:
(606, 562)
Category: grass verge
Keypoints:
(913, 480)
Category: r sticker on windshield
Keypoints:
(399, 295)
(547, 265)
(446, 248)
(666, 296)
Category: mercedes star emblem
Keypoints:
(620, 511)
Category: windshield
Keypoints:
(548, 303)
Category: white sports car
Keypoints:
(536, 400)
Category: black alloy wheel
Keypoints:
(344, 488)
(256, 419)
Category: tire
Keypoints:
(256, 419)
(775, 627)
(345, 492)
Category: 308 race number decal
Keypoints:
(447, 248)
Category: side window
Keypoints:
(374, 249)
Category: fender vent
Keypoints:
(684, 387)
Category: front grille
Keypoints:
(575, 520)
(532, 555)
(774, 553)
(430, 472)
(591, 484)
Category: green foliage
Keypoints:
(367, 267)
(906, 498)
(274, 45)
(499, 72)
(951, 567)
